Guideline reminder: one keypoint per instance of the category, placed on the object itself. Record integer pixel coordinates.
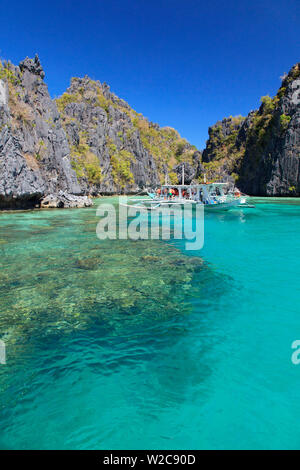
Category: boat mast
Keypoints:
(182, 182)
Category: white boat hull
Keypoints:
(155, 204)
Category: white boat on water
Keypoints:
(211, 195)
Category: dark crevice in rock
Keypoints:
(21, 203)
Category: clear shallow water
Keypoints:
(122, 344)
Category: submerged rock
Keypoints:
(150, 259)
(88, 263)
(83, 281)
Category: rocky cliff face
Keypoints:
(87, 142)
(90, 142)
(105, 147)
(113, 148)
(271, 164)
(260, 153)
(224, 150)
(34, 152)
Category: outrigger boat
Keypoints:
(210, 195)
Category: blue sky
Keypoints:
(185, 64)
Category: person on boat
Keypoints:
(158, 191)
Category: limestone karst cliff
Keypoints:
(56, 153)
(34, 153)
(260, 153)
(112, 147)
(87, 142)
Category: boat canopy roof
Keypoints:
(199, 185)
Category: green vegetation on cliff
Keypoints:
(120, 162)
(65, 99)
(259, 151)
(7, 74)
(85, 163)
(20, 111)
(164, 144)
(94, 98)
(222, 151)
(261, 126)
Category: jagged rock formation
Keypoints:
(192, 171)
(88, 142)
(224, 150)
(113, 148)
(271, 165)
(65, 200)
(54, 153)
(106, 150)
(34, 152)
(260, 153)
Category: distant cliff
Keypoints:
(87, 142)
(260, 153)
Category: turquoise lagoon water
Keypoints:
(140, 344)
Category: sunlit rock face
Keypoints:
(114, 149)
(90, 142)
(34, 151)
(271, 163)
(106, 147)
(261, 153)
(3, 94)
(87, 142)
